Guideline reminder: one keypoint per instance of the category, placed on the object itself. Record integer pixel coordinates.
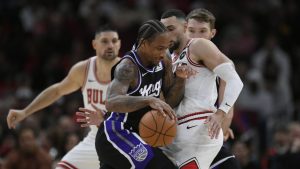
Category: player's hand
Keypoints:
(184, 71)
(90, 117)
(14, 117)
(214, 123)
(228, 134)
(162, 107)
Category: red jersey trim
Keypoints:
(86, 74)
(189, 59)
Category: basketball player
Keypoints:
(199, 137)
(200, 23)
(92, 76)
(138, 80)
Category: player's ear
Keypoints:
(94, 44)
(143, 42)
(185, 27)
(119, 44)
(213, 33)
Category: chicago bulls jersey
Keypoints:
(94, 90)
(200, 90)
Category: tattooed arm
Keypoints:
(125, 76)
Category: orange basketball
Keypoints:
(157, 130)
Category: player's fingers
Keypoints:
(217, 132)
(86, 110)
(231, 134)
(97, 109)
(170, 112)
(13, 125)
(207, 120)
(10, 121)
(213, 130)
(171, 115)
(161, 111)
(84, 125)
(78, 113)
(83, 120)
(225, 137)
(210, 128)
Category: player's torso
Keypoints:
(149, 84)
(94, 90)
(200, 90)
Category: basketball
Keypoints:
(157, 130)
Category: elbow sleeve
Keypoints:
(233, 86)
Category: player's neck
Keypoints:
(103, 68)
(144, 62)
(182, 45)
(106, 63)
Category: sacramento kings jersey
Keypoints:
(200, 90)
(93, 90)
(149, 84)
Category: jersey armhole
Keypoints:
(86, 74)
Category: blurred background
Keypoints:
(40, 40)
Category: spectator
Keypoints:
(28, 154)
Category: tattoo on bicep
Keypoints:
(126, 72)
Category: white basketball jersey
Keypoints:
(93, 90)
(200, 90)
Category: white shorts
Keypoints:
(82, 156)
(192, 147)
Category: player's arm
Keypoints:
(228, 118)
(172, 83)
(72, 82)
(125, 76)
(204, 50)
(207, 52)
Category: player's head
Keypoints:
(152, 42)
(200, 24)
(174, 20)
(107, 43)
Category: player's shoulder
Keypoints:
(80, 67)
(198, 42)
(201, 46)
(82, 64)
(126, 68)
(126, 62)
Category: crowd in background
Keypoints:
(40, 40)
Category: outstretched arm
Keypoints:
(126, 75)
(207, 52)
(72, 82)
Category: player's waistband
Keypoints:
(193, 116)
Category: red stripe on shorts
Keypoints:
(193, 114)
(66, 165)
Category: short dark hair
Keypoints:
(149, 30)
(105, 28)
(173, 12)
(202, 15)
